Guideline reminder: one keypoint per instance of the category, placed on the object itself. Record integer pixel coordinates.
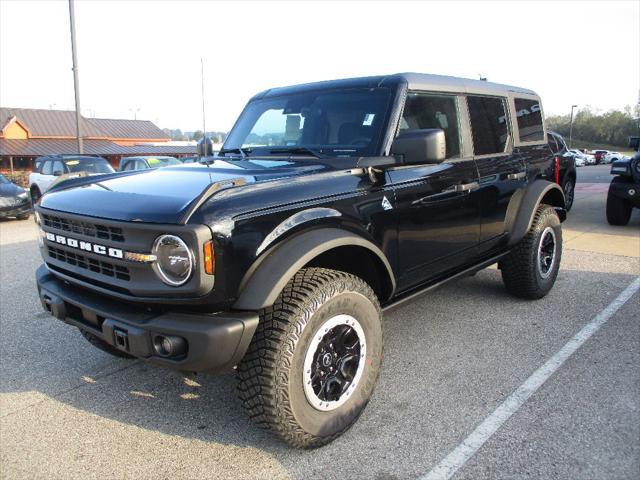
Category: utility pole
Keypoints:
(76, 82)
(571, 124)
(204, 128)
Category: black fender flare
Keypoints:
(524, 203)
(264, 281)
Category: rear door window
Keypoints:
(529, 115)
(425, 110)
(489, 126)
(58, 166)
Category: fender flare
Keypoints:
(523, 206)
(264, 281)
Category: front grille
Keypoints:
(97, 266)
(88, 229)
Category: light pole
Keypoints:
(76, 82)
(135, 112)
(571, 124)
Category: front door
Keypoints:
(437, 208)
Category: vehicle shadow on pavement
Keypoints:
(461, 327)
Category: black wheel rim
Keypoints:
(568, 193)
(547, 252)
(334, 362)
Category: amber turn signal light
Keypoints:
(209, 258)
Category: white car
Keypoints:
(48, 170)
(613, 156)
(582, 159)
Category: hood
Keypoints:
(166, 194)
(10, 190)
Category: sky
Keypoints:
(142, 58)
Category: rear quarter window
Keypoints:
(529, 115)
(489, 126)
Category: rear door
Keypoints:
(437, 207)
(501, 170)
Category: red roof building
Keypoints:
(26, 134)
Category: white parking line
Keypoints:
(463, 452)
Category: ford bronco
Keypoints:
(329, 203)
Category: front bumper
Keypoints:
(215, 342)
(15, 211)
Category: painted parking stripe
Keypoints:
(483, 432)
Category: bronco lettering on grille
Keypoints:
(87, 246)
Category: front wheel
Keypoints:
(618, 209)
(314, 359)
(531, 268)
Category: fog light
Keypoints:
(169, 346)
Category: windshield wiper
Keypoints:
(242, 151)
(298, 150)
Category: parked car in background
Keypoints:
(146, 162)
(614, 156)
(53, 168)
(564, 173)
(189, 159)
(583, 158)
(14, 200)
(600, 154)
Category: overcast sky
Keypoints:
(146, 55)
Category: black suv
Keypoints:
(329, 203)
(624, 189)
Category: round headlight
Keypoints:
(174, 261)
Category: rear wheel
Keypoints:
(618, 209)
(531, 268)
(314, 359)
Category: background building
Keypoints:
(26, 134)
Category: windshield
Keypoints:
(340, 122)
(89, 165)
(163, 161)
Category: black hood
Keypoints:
(10, 190)
(164, 195)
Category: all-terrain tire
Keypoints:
(569, 189)
(271, 382)
(524, 271)
(104, 346)
(618, 209)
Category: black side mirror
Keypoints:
(420, 146)
(205, 147)
(57, 173)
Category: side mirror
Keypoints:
(205, 147)
(57, 173)
(420, 146)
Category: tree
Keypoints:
(197, 135)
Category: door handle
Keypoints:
(516, 176)
(465, 187)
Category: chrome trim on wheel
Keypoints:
(547, 252)
(334, 362)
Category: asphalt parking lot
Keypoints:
(452, 357)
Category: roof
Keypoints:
(38, 147)
(414, 81)
(62, 123)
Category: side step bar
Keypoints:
(415, 293)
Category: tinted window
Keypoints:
(344, 122)
(88, 164)
(128, 165)
(488, 124)
(529, 120)
(46, 168)
(58, 166)
(423, 110)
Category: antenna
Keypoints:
(204, 129)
